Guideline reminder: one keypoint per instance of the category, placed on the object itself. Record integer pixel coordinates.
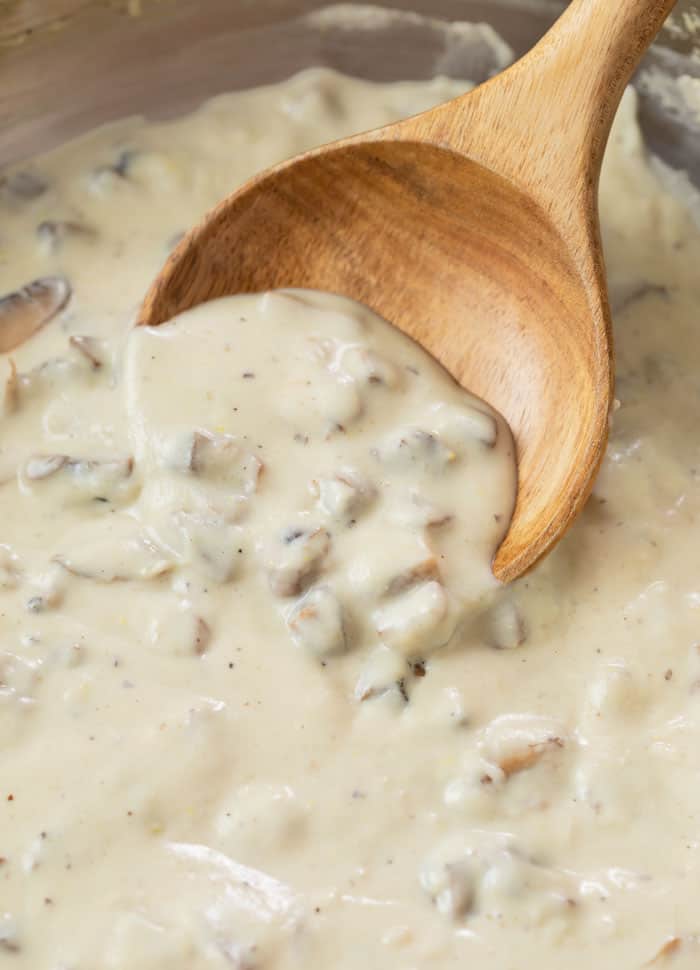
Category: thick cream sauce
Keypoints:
(342, 745)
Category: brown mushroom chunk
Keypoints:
(24, 312)
(677, 947)
(221, 459)
(416, 574)
(316, 623)
(417, 621)
(213, 544)
(516, 743)
(344, 495)
(297, 560)
(368, 367)
(382, 675)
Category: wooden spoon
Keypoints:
(474, 229)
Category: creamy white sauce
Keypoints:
(271, 759)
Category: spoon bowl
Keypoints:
(473, 228)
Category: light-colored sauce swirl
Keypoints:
(262, 704)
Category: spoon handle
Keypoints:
(545, 121)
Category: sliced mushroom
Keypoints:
(345, 495)
(417, 621)
(89, 479)
(297, 560)
(316, 623)
(26, 311)
(415, 449)
(52, 233)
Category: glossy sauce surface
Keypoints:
(343, 745)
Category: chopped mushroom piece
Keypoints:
(106, 177)
(212, 543)
(452, 885)
(680, 952)
(180, 631)
(363, 364)
(84, 478)
(417, 512)
(345, 495)
(670, 948)
(459, 426)
(382, 673)
(43, 466)
(504, 626)
(485, 872)
(516, 742)
(297, 560)
(9, 934)
(413, 448)
(92, 349)
(220, 458)
(325, 406)
(316, 623)
(26, 311)
(417, 621)
(417, 573)
(47, 589)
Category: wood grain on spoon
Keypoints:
(474, 229)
